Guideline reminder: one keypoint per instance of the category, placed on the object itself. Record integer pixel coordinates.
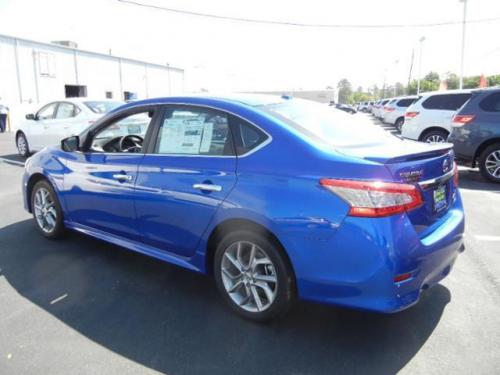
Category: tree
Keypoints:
(452, 81)
(494, 80)
(345, 91)
(399, 89)
(471, 82)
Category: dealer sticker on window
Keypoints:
(440, 198)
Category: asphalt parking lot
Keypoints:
(82, 306)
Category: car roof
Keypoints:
(447, 92)
(252, 100)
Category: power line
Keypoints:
(300, 24)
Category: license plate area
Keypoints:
(439, 198)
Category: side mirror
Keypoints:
(30, 116)
(71, 144)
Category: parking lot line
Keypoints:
(58, 299)
(482, 237)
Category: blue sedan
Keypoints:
(277, 198)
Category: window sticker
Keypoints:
(181, 136)
(206, 141)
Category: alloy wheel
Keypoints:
(249, 276)
(435, 138)
(45, 210)
(21, 145)
(492, 163)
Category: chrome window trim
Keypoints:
(259, 147)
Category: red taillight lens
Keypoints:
(402, 277)
(411, 114)
(389, 109)
(455, 174)
(460, 120)
(375, 198)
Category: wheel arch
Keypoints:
(431, 129)
(485, 144)
(32, 181)
(231, 224)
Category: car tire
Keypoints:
(399, 123)
(243, 283)
(489, 163)
(22, 145)
(435, 136)
(47, 210)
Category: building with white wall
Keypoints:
(32, 73)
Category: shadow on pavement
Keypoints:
(473, 180)
(173, 321)
(15, 159)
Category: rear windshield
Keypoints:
(405, 102)
(326, 124)
(102, 106)
(447, 102)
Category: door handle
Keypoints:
(208, 187)
(122, 177)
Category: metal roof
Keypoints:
(99, 54)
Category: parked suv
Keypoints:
(428, 119)
(394, 111)
(476, 133)
(379, 108)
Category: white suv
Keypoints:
(58, 120)
(428, 119)
(394, 111)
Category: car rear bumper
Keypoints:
(357, 266)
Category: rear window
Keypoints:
(325, 124)
(384, 102)
(491, 103)
(405, 102)
(102, 106)
(447, 102)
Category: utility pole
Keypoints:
(421, 40)
(464, 21)
(411, 68)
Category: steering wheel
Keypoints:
(131, 143)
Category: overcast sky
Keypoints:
(229, 55)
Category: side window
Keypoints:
(194, 131)
(125, 134)
(66, 110)
(491, 103)
(246, 136)
(47, 112)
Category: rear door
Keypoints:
(184, 178)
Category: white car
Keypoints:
(58, 120)
(394, 111)
(377, 111)
(429, 118)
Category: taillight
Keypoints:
(389, 109)
(460, 120)
(455, 174)
(411, 114)
(375, 198)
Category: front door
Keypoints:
(184, 178)
(99, 183)
(38, 128)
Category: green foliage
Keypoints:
(494, 80)
(430, 82)
(471, 82)
(345, 91)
